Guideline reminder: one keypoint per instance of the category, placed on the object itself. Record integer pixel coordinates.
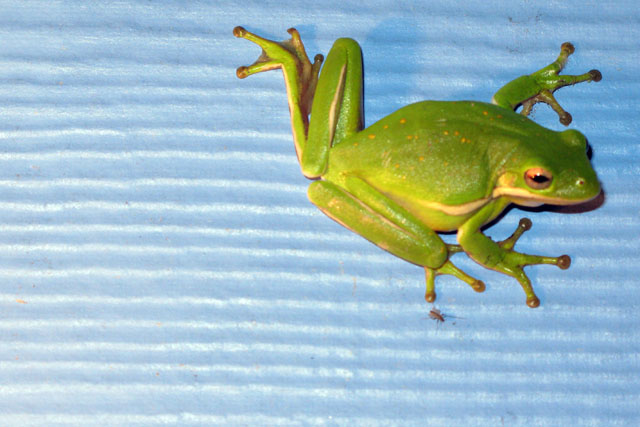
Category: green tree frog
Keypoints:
(432, 166)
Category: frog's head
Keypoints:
(554, 171)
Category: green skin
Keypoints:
(432, 166)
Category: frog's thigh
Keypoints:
(376, 220)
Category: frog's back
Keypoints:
(434, 152)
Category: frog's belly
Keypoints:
(438, 216)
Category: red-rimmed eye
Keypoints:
(538, 178)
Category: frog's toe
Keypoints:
(239, 31)
(533, 301)
(478, 286)
(523, 225)
(596, 75)
(242, 72)
(567, 48)
(563, 261)
(565, 118)
(430, 296)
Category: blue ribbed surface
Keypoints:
(160, 262)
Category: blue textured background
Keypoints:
(160, 263)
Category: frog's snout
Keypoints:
(587, 188)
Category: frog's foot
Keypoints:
(301, 76)
(514, 262)
(539, 86)
(548, 81)
(449, 268)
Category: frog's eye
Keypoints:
(538, 178)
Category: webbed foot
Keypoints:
(539, 86)
(301, 76)
(449, 268)
(515, 261)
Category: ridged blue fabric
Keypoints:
(160, 263)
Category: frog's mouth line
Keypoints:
(515, 195)
(523, 197)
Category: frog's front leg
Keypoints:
(500, 256)
(539, 86)
(366, 211)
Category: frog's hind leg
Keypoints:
(300, 76)
(370, 214)
(539, 86)
(338, 106)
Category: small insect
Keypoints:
(436, 315)
(439, 316)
